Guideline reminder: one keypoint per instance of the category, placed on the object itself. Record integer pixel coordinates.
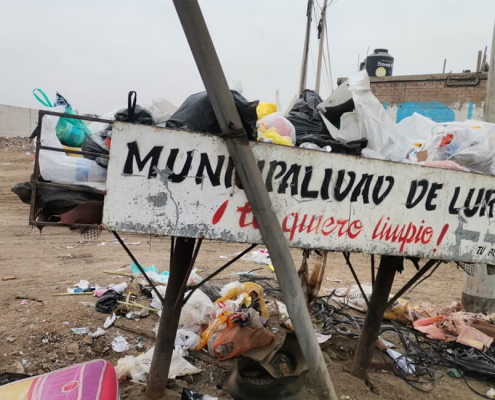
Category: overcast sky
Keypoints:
(94, 52)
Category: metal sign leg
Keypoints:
(179, 274)
(374, 316)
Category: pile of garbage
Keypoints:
(351, 121)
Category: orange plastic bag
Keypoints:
(233, 342)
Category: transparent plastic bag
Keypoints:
(278, 123)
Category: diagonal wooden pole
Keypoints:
(209, 67)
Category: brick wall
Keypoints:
(442, 97)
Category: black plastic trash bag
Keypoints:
(96, 143)
(134, 113)
(196, 114)
(108, 302)
(305, 116)
(140, 116)
(354, 147)
(55, 201)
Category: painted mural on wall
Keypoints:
(437, 111)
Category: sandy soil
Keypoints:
(48, 263)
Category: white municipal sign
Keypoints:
(171, 182)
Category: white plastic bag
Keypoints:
(156, 303)
(161, 110)
(59, 167)
(369, 120)
(186, 340)
(196, 312)
(417, 129)
(138, 368)
(374, 122)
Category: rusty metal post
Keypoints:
(374, 316)
(221, 99)
(169, 321)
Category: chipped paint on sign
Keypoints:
(171, 182)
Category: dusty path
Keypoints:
(49, 263)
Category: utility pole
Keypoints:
(490, 87)
(304, 67)
(321, 28)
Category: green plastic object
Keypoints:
(454, 373)
(70, 132)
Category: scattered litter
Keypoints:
(9, 278)
(25, 362)
(133, 243)
(87, 304)
(188, 394)
(454, 373)
(284, 318)
(186, 340)
(66, 323)
(390, 345)
(472, 337)
(156, 302)
(403, 362)
(353, 297)
(194, 278)
(109, 321)
(119, 288)
(80, 331)
(44, 341)
(138, 368)
(490, 393)
(24, 302)
(108, 302)
(152, 272)
(333, 280)
(261, 257)
(140, 343)
(10, 339)
(223, 257)
(321, 338)
(99, 332)
(82, 284)
(119, 344)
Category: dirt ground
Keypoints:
(37, 336)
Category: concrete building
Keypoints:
(441, 97)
